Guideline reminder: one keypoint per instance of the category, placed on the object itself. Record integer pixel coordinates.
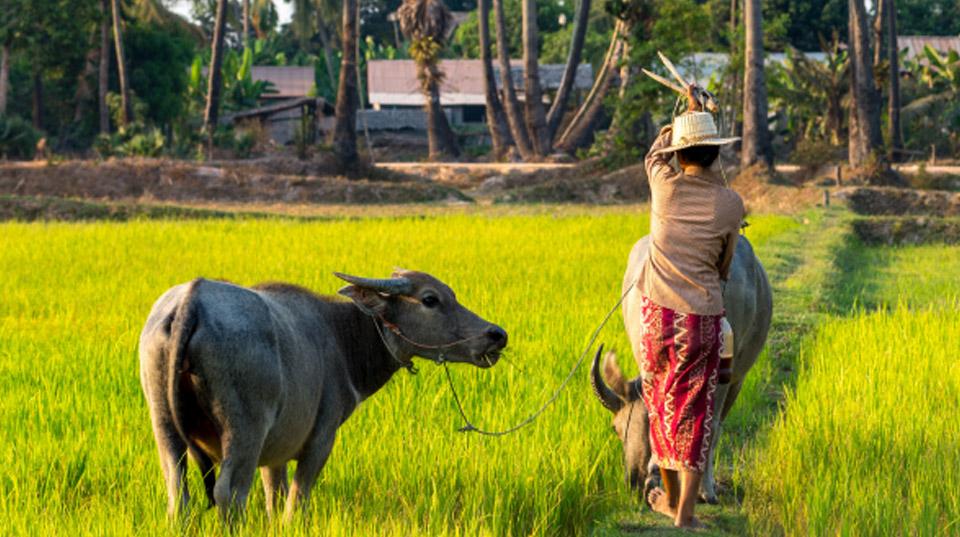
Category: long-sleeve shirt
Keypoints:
(694, 226)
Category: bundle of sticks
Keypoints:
(698, 98)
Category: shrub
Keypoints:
(18, 138)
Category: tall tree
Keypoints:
(557, 108)
(534, 112)
(345, 128)
(756, 134)
(245, 14)
(496, 117)
(103, 76)
(4, 76)
(893, 98)
(866, 141)
(215, 77)
(126, 111)
(581, 127)
(511, 103)
(425, 23)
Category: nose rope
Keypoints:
(470, 427)
(409, 365)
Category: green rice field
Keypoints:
(853, 440)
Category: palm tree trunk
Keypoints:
(103, 79)
(327, 46)
(893, 99)
(441, 138)
(511, 103)
(345, 129)
(756, 133)
(555, 115)
(496, 117)
(865, 139)
(37, 111)
(4, 77)
(215, 79)
(126, 114)
(535, 115)
(578, 132)
(245, 14)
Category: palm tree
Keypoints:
(103, 80)
(555, 115)
(496, 117)
(511, 103)
(345, 128)
(4, 76)
(126, 112)
(245, 14)
(215, 82)
(534, 112)
(865, 139)
(756, 135)
(893, 99)
(425, 24)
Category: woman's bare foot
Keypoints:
(660, 502)
(693, 523)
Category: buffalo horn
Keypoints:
(389, 286)
(611, 401)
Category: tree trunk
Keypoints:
(126, 113)
(215, 79)
(866, 142)
(327, 46)
(511, 103)
(535, 115)
(4, 77)
(441, 138)
(37, 100)
(893, 99)
(555, 115)
(879, 22)
(84, 93)
(496, 117)
(245, 14)
(103, 82)
(584, 121)
(756, 145)
(345, 129)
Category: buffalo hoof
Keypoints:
(709, 498)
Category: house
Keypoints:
(285, 108)
(396, 98)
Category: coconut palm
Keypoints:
(756, 134)
(126, 112)
(215, 80)
(511, 103)
(345, 128)
(557, 108)
(496, 117)
(865, 139)
(426, 23)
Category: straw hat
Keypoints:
(694, 128)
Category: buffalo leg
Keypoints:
(274, 486)
(208, 472)
(239, 465)
(726, 396)
(173, 459)
(312, 460)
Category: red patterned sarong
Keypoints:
(681, 353)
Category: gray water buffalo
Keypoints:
(257, 377)
(749, 304)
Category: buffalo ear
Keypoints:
(613, 375)
(369, 301)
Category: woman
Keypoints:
(694, 224)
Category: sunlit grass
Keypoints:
(868, 442)
(79, 458)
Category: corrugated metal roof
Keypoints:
(394, 82)
(915, 43)
(287, 81)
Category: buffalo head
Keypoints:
(630, 420)
(419, 316)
